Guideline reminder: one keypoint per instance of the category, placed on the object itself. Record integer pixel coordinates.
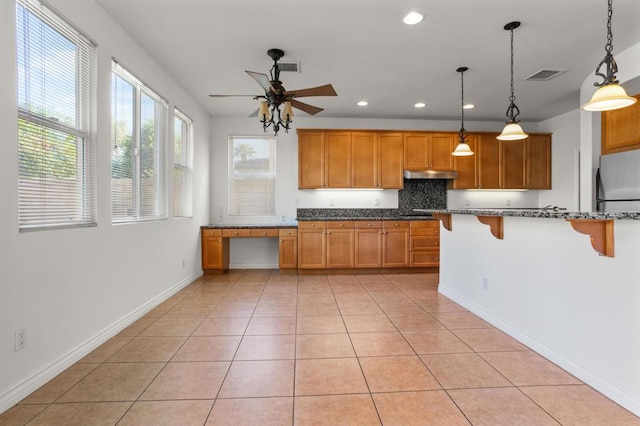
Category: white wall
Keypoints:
(74, 288)
(549, 289)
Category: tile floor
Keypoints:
(261, 348)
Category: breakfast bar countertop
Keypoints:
(538, 213)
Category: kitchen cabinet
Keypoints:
(620, 130)
(312, 245)
(428, 151)
(368, 244)
(538, 165)
(489, 162)
(424, 246)
(215, 250)
(395, 244)
(344, 159)
(288, 249)
(467, 166)
(340, 244)
(514, 164)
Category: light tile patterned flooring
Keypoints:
(261, 348)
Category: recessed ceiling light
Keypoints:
(469, 106)
(363, 103)
(413, 18)
(420, 105)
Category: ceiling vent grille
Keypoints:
(289, 66)
(544, 75)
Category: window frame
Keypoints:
(183, 165)
(159, 201)
(47, 201)
(271, 175)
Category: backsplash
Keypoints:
(417, 194)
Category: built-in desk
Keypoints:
(215, 244)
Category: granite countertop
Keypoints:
(547, 214)
(374, 217)
(360, 214)
(250, 225)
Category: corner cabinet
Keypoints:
(349, 159)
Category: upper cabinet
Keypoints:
(376, 159)
(620, 129)
(523, 164)
(344, 159)
(428, 151)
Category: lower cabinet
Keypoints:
(215, 250)
(368, 244)
(425, 243)
(340, 244)
(288, 249)
(395, 244)
(312, 245)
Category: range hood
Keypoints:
(430, 174)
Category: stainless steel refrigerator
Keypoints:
(618, 182)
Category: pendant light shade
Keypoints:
(512, 130)
(463, 149)
(610, 94)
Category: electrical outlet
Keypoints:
(467, 203)
(377, 202)
(284, 218)
(508, 203)
(332, 203)
(21, 338)
(485, 283)
(297, 202)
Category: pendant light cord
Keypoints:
(609, 46)
(512, 98)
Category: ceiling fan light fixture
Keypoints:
(512, 131)
(413, 18)
(610, 95)
(287, 112)
(462, 149)
(264, 114)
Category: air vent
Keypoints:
(289, 66)
(544, 75)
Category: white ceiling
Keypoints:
(366, 52)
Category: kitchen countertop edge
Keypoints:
(544, 214)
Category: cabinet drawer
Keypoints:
(425, 231)
(421, 243)
(425, 259)
(340, 225)
(288, 232)
(212, 233)
(312, 225)
(231, 233)
(425, 224)
(264, 232)
(368, 224)
(395, 224)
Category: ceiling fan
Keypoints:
(276, 95)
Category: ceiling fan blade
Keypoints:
(231, 96)
(309, 109)
(255, 113)
(326, 90)
(262, 80)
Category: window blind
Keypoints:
(56, 148)
(182, 165)
(138, 122)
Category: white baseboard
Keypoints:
(620, 396)
(18, 393)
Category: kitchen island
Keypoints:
(542, 283)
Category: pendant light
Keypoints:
(463, 148)
(610, 95)
(512, 131)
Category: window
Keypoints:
(56, 150)
(138, 118)
(182, 165)
(252, 176)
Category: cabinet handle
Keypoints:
(264, 232)
(437, 232)
(281, 240)
(313, 225)
(435, 244)
(220, 241)
(368, 224)
(395, 224)
(341, 225)
(437, 258)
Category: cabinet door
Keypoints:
(416, 151)
(337, 160)
(440, 149)
(288, 252)
(390, 160)
(310, 160)
(340, 247)
(539, 162)
(467, 167)
(368, 248)
(364, 156)
(312, 249)
(395, 248)
(513, 164)
(489, 167)
(215, 253)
